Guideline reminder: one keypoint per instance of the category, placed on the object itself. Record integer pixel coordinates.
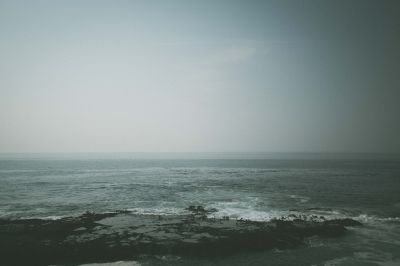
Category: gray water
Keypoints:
(249, 186)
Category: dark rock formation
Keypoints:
(122, 235)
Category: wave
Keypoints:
(117, 263)
(246, 214)
(234, 210)
(329, 213)
(52, 217)
(158, 211)
(247, 209)
(373, 218)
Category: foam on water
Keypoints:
(373, 218)
(159, 211)
(52, 217)
(246, 214)
(117, 263)
(244, 210)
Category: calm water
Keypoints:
(251, 186)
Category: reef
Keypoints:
(119, 235)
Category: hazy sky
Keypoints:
(94, 76)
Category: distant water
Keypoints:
(249, 186)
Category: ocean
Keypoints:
(257, 186)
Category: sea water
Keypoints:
(240, 185)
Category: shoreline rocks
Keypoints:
(121, 235)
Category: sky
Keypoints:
(199, 76)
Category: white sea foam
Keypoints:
(52, 217)
(169, 258)
(117, 263)
(373, 218)
(159, 211)
(320, 212)
(244, 210)
(248, 214)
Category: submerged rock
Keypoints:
(95, 237)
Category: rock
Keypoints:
(123, 235)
